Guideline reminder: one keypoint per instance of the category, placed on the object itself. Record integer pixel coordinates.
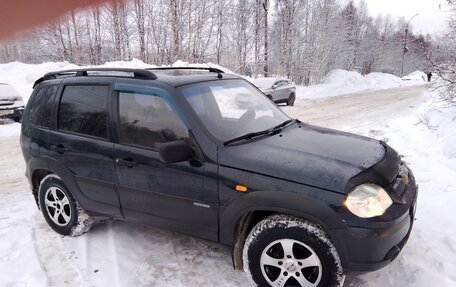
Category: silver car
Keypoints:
(278, 90)
(11, 104)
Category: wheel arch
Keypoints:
(247, 212)
(36, 178)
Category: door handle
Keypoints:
(129, 162)
(60, 148)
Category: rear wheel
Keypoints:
(288, 251)
(61, 211)
(269, 97)
(291, 99)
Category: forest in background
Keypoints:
(300, 39)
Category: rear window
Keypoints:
(40, 106)
(83, 110)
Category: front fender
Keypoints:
(281, 202)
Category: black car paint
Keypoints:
(304, 171)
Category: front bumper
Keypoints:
(367, 249)
(14, 114)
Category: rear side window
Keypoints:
(40, 106)
(83, 110)
(148, 120)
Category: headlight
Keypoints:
(368, 200)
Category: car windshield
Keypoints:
(232, 108)
(264, 82)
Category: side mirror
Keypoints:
(176, 151)
(274, 86)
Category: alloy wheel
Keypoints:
(58, 206)
(288, 262)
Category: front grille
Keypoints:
(398, 186)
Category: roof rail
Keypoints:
(210, 69)
(137, 73)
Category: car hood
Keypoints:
(265, 88)
(10, 104)
(315, 156)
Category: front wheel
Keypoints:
(288, 251)
(291, 99)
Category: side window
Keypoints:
(83, 109)
(148, 120)
(40, 108)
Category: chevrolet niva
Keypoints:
(207, 154)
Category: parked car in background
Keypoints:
(11, 104)
(278, 90)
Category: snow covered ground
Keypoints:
(122, 254)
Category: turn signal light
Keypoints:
(241, 188)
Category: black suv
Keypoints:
(207, 154)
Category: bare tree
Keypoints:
(444, 60)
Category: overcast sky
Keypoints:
(432, 18)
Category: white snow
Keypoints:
(9, 129)
(426, 140)
(416, 76)
(123, 254)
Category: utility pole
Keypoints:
(266, 61)
(405, 50)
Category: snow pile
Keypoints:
(416, 76)
(345, 78)
(340, 82)
(384, 81)
(134, 64)
(180, 63)
(22, 76)
(441, 121)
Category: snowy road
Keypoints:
(122, 254)
(358, 108)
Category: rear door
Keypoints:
(80, 144)
(282, 90)
(179, 196)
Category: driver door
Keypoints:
(178, 196)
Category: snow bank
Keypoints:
(416, 76)
(384, 81)
(180, 63)
(22, 76)
(345, 78)
(441, 122)
(340, 82)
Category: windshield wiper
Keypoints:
(271, 131)
(286, 123)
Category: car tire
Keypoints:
(284, 250)
(291, 99)
(269, 97)
(61, 211)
